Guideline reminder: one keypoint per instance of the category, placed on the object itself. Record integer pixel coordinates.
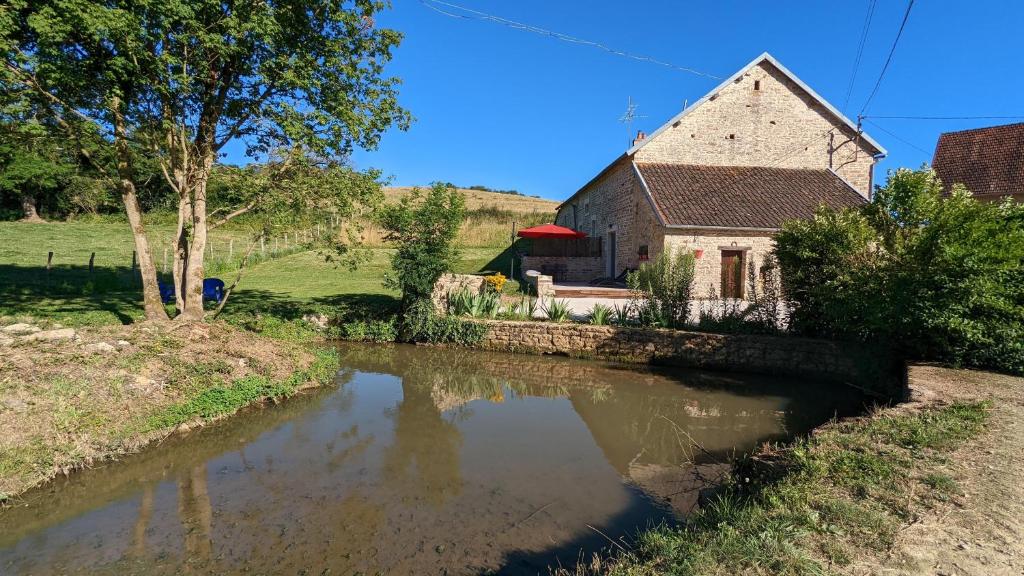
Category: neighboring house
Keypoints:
(988, 161)
(722, 176)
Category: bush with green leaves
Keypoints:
(557, 310)
(474, 304)
(421, 323)
(601, 315)
(932, 277)
(369, 330)
(424, 229)
(666, 284)
(524, 309)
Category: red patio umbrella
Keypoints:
(550, 231)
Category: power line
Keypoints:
(946, 117)
(892, 51)
(477, 15)
(860, 51)
(898, 137)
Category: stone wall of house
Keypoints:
(756, 246)
(449, 283)
(614, 202)
(572, 268)
(841, 362)
(779, 124)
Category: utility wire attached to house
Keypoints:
(860, 51)
(471, 14)
(894, 135)
(888, 59)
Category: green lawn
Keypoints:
(287, 286)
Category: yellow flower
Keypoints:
(496, 282)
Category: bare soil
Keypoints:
(67, 403)
(980, 530)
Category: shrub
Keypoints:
(600, 315)
(933, 277)
(557, 310)
(422, 324)
(525, 309)
(666, 284)
(466, 303)
(424, 229)
(623, 314)
(370, 330)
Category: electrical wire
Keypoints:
(860, 51)
(477, 15)
(888, 59)
(946, 117)
(898, 137)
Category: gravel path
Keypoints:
(981, 530)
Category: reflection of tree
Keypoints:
(145, 513)
(196, 514)
(424, 458)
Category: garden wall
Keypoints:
(868, 368)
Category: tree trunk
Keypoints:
(194, 269)
(154, 306)
(28, 207)
(181, 249)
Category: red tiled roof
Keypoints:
(743, 196)
(989, 161)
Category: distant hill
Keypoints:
(478, 199)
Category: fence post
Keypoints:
(49, 260)
(263, 247)
(92, 259)
(231, 249)
(134, 256)
(165, 260)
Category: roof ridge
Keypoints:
(997, 126)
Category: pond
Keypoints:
(419, 461)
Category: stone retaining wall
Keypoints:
(871, 369)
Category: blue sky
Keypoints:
(511, 109)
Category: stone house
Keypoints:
(988, 161)
(722, 176)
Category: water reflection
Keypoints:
(420, 461)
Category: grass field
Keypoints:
(287, 283)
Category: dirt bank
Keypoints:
(72, 397)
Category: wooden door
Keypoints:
(732, 274)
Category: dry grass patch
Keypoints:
(111, 390)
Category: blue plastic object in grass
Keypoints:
(213, 289)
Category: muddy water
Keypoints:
(419, 461)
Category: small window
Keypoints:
(757, 84)
(732, 136)
(643, 253)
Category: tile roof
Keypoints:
(989, 161)
(742, 196)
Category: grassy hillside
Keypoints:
(479, 200)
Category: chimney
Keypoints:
(640, 136)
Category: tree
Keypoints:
(177, 80)
(934, 277)
(424, 228)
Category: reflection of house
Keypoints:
(988, 161)
(723, 175)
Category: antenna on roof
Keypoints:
(628, 119)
